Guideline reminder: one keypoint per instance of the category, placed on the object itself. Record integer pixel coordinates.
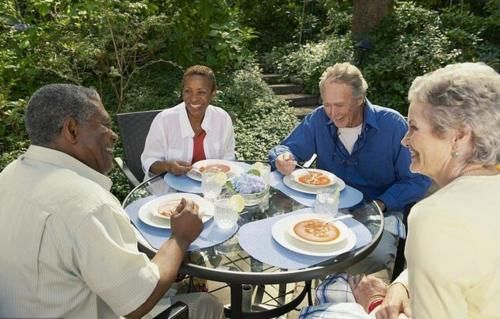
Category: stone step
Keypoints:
(301, 111)
(272, 78)
(295, 99)
(286, 88)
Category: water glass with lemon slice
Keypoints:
(264, 170)
(211, 184)
(327, 201)
(227, 209)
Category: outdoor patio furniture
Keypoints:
(133, 128)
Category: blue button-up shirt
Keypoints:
(378, 165)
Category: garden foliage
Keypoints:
(134, 54)
(412, 41)
(260, 119)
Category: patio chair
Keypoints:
(133, 128)
(400, 260)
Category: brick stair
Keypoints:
(302, 103)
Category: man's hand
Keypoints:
(185, 223)
(285, 163)
(179, 167)
(380, 204)
(367, 289)
(395, 302)
(186, 226)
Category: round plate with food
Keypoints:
(214, 165)
(310, 180)
(284, 232)
(157, 212)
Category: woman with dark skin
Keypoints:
(191, 131)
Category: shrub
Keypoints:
(281, 22)
(310, 60)
(260, 118)
(407, 44)
(473, 34)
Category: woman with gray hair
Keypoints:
(452, 250)
(454, 138)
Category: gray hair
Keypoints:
(348, 74)
(52, 104)
(464, 95)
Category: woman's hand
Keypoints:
(179, 167)
(174, 167)
(395, 302)
(285, 163)
(367, 289)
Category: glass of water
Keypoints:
(327, 201)
(265, 172)
(210, 186)
(225, 216)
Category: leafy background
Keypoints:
(134, 54)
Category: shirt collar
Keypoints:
(369, 116)
(186, 129)
(63, 160)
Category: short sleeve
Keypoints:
(105, 251)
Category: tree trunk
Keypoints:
(367, 14)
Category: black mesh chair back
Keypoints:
(134, 127)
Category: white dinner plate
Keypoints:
(147, 212)
(194, 174)
(302, 242)
(288, 181)
(279, 233)
(298, 173)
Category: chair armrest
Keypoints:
(126, 171)
(178, 310)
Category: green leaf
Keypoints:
(230, 187)
(253, 171)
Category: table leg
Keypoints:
(236, 296)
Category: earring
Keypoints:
(454, 154)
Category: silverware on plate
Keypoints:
(337, 219)
(304, 168)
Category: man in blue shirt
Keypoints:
(360, 143)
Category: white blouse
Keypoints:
(171, 137)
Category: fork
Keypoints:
(337, 219)
(304, 168)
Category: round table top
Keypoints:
(229, 262)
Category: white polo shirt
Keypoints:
(170, 136)
(67, 249)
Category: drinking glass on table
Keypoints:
(225, 214)
(265, 172)
(210, 186)
(327, 201)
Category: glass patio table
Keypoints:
(227, 262)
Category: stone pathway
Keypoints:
(292, 91)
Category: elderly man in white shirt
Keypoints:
(191, 131)
(67, 249)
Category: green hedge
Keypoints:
(409, 43)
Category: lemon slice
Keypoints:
(259, 165)
(220, 178)
(237, 202)
(254, 171)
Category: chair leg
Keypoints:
(309, 293)
(399, 263)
